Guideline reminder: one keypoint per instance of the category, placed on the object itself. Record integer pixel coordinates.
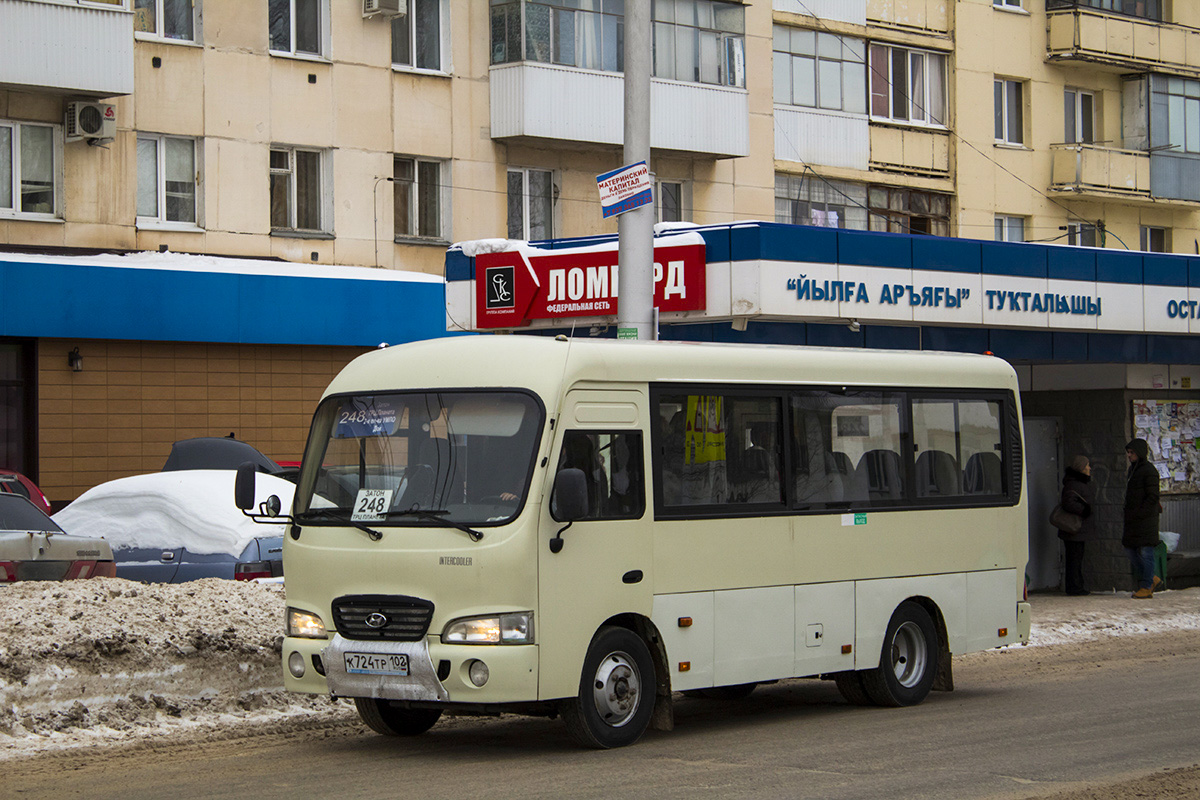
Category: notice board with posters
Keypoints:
(1172, 428)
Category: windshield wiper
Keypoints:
(435, 515)
(336, 516)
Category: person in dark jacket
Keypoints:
(1078, 494)
(1140, 534)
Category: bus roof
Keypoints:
(547, 365)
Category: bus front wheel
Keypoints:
(616, 691)
(908, 662)
(382, 717)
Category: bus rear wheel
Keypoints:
(850, 684)
(382, 717)
(908, 662)
(616, 691)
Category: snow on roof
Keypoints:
(191, 508)
(185, 262)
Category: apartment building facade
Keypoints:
(365, 134)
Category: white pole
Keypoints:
(635, 255)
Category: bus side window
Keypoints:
(612, 466)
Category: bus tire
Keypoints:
(850, 684)
(908, 662)
(384, 718)
(616, 691)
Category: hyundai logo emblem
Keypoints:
(376, 620)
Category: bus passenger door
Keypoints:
(603, 568)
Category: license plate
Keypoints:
(377, 664)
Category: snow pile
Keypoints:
(1082, 619)
(191, 508)
(108, 660)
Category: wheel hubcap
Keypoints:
(908, 655)
(616, 690)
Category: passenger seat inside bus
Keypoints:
(938, 475)
(982, 475)
(880, 471)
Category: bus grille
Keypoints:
(403, 619)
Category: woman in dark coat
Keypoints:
(1078, 493)
(1140, 535)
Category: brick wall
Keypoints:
(120, 415)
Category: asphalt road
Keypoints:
(1023, 723)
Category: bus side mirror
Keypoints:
(243, 487)
(570, 500)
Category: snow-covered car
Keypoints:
(171, 527)
(16, 483)
(34, 548)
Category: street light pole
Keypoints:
(635, 254)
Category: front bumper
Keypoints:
(513, 671)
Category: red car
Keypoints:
(16, 483)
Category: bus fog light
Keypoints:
(296, 665)
(478, 672)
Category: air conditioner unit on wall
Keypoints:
(90, 121)
(385, 8)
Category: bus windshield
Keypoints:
(419, 458)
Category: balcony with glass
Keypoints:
(1119, 36)
(557, 73)
(82, 50)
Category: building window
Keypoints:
(908, 85)
(698, 41)
(1079, 114)
(166, 180)
(1155, 240)
(1146, 9)
(166, 19)
(669, 202)
(417, 190)
(531, 196)
(820, 70)
(417, 36)
(908, 211)
(297, 199)
(1081, 234)
(1010, 112)
(29, 164)
(297, 26)
(1007, 3)
(812, 200)
(1010, 229)
(1182, 98)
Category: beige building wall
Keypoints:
(132, 400)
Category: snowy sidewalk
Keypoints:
(1059, 619)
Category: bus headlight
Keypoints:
(304, 624)
(500, 629)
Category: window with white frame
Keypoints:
(29, 167)
(1010, 229)
(1081, 234)
(166, 180)
(531, 200)
(812, 200)
(166, 19)
(669, 202)
(1155, 240)
(1079, 116)
(698, 41)
(1010, 111)
(908, 85)
(819, 70)
(418, 188)
(297, 27)
(297, 189)
(417, 37)
(1007, 3)
(1182, 97)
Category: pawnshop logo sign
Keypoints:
(511, 289)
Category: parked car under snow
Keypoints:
(34, 548)
(172, 527)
